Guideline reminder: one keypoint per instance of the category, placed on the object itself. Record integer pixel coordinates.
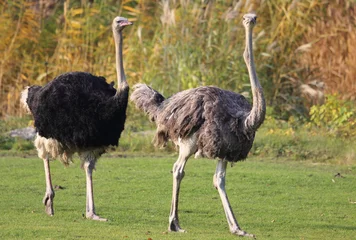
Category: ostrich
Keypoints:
(208, 122)
(79, 112)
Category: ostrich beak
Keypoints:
(125, 23)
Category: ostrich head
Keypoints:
(120, 23)
(249, 20)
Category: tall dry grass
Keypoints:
(41, 40)
(331, 47)
(179, 44)
(20, 30)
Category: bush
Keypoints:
(288, 139)
(22, 145)
(6, 143)
(338, 117)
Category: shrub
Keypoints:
(337, 116)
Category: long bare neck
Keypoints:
(257, 114)
(121, 78)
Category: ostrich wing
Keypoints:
(185, 112)
(70, 109)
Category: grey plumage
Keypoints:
(147, 99)
(215, 115)
(207, 121)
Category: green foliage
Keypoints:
(140, 143)
(12, 122)
(275, 138)
(23, 145)
(301, 142)
(335, 115)
(15, 145)
(6, 143)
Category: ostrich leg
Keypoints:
(219, 183)
(49, 195)
(178, 174)
(90, 208)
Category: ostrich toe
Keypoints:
(48, 202)
(96, 218)
(241, 233)
(174, 227)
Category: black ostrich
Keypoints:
(210, 122)
(79, 112)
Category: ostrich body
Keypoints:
(79, 112)
(208, 122)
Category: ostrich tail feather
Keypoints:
(28, 96)
(147, 100)
(23, 100)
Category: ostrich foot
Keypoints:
(174, 227)
(95, 217)
(48, 202)
(241, 233)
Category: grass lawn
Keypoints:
(271, 199)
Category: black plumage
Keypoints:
(80, 110)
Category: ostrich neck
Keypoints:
(257, 114)
(121, 78)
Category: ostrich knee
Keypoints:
(178, 171)
(219, 180)
(178, 174)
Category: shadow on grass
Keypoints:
(330, 226)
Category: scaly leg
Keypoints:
(90, 208)
(49, 195)
(219, 183)
(178, 174)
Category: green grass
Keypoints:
(273, 200)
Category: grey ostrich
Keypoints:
(208, 122)
(79, 112)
